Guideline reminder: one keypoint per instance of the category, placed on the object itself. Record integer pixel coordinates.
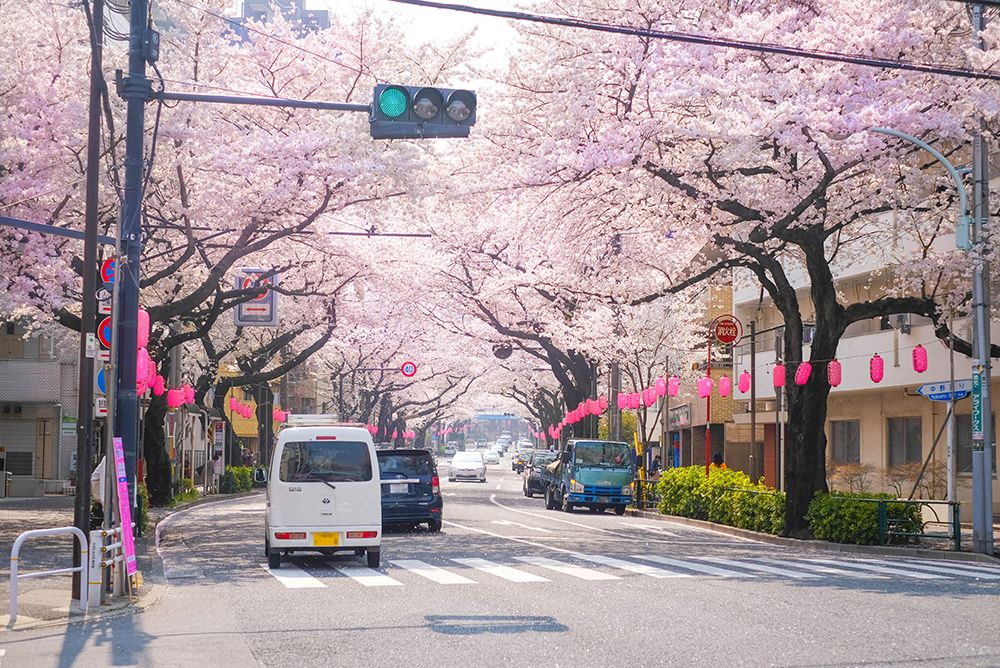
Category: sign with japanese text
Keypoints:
(125, 507)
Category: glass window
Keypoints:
(905, 444)
(329, 461)
(602, 453)
(845, 441)
(407, 464)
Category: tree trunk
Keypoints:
(805, 451)
(158, 478)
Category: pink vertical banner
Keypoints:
(125, 507)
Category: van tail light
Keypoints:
(435, 485)
(326, 438)
(362, 534)
(298, 535)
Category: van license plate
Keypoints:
(604, 499)
(326, 539)
(401, 488)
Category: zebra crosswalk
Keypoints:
(525, 569)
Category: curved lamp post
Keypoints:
(982, 427)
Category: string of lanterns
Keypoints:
(705, 385)
(408, 434)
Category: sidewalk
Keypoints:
(46, 601)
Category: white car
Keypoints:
(323, 492)
(492, 457)
(467, 466)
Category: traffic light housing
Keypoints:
(421, 112)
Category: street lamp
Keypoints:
(982, 427)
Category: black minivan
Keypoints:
(411, 489)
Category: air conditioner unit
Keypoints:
(903, 323)
(766, 406)
(808, 332)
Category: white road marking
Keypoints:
(976, 568)
(505, 572)
(294, 578)
(882, 569)
(796, 575)
(368, 577)
(568, 569)
(641, 569)
(650, 527)
(694, 566)
(433, 573)
(518, 524)
(940, 568)
(550, 517)
(499, 485)
(822, 569)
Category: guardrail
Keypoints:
(103, 556)
(14, 558)
(889, 527)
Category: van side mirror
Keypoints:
(259, 475)
(566, 457)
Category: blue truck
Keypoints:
(592, 473)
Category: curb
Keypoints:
(817, 545)
(146, 600)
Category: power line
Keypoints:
(703, 40)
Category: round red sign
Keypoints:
(409, 369)
(728, 330)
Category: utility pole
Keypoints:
(136, 90)
(88, 306)
(982, 407)
(754, 464)
(665, 449)
(615, 421)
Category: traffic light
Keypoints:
(415, 112)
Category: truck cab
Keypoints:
(592, 473)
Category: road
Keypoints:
(510, 583)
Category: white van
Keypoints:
(323, 491)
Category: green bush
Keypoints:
(142, 521)
(236, 479)
(725, 497)
(842, 517)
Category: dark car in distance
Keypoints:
(411, 489)
(533, 469)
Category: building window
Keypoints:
(905, 445)
(845, 441)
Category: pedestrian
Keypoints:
(187, 467)
(717, 461)
(654, 468)
(247, 459)
(218, 468)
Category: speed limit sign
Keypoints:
(409, 369)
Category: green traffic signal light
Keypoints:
(393, 102)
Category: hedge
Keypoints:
(724, 497)
(843, 517)
(236, 479)
(730, 497)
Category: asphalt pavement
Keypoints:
(507, 582)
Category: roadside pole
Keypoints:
(88, 306)
(615, 426)
(665, 450)
(982, 407)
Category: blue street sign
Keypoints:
(977, 407)
(102, 383)
(943, 390)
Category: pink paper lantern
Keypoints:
(175, 398)
(919, 359)
(744, 382)
(634, 400)
(833, 373)
(142, 329)
(778, 375)
(803, 372)
(188, 393)
(141, 372)
(673, 386)
(649, 396)
(661, 386)
(234, 404)
(725, 386)
(622, 401)
(159, 386)
(705, 384)
(876, 368)
(595, 407)
(602, 403)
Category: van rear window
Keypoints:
(329, 461)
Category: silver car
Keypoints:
(467, 466)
